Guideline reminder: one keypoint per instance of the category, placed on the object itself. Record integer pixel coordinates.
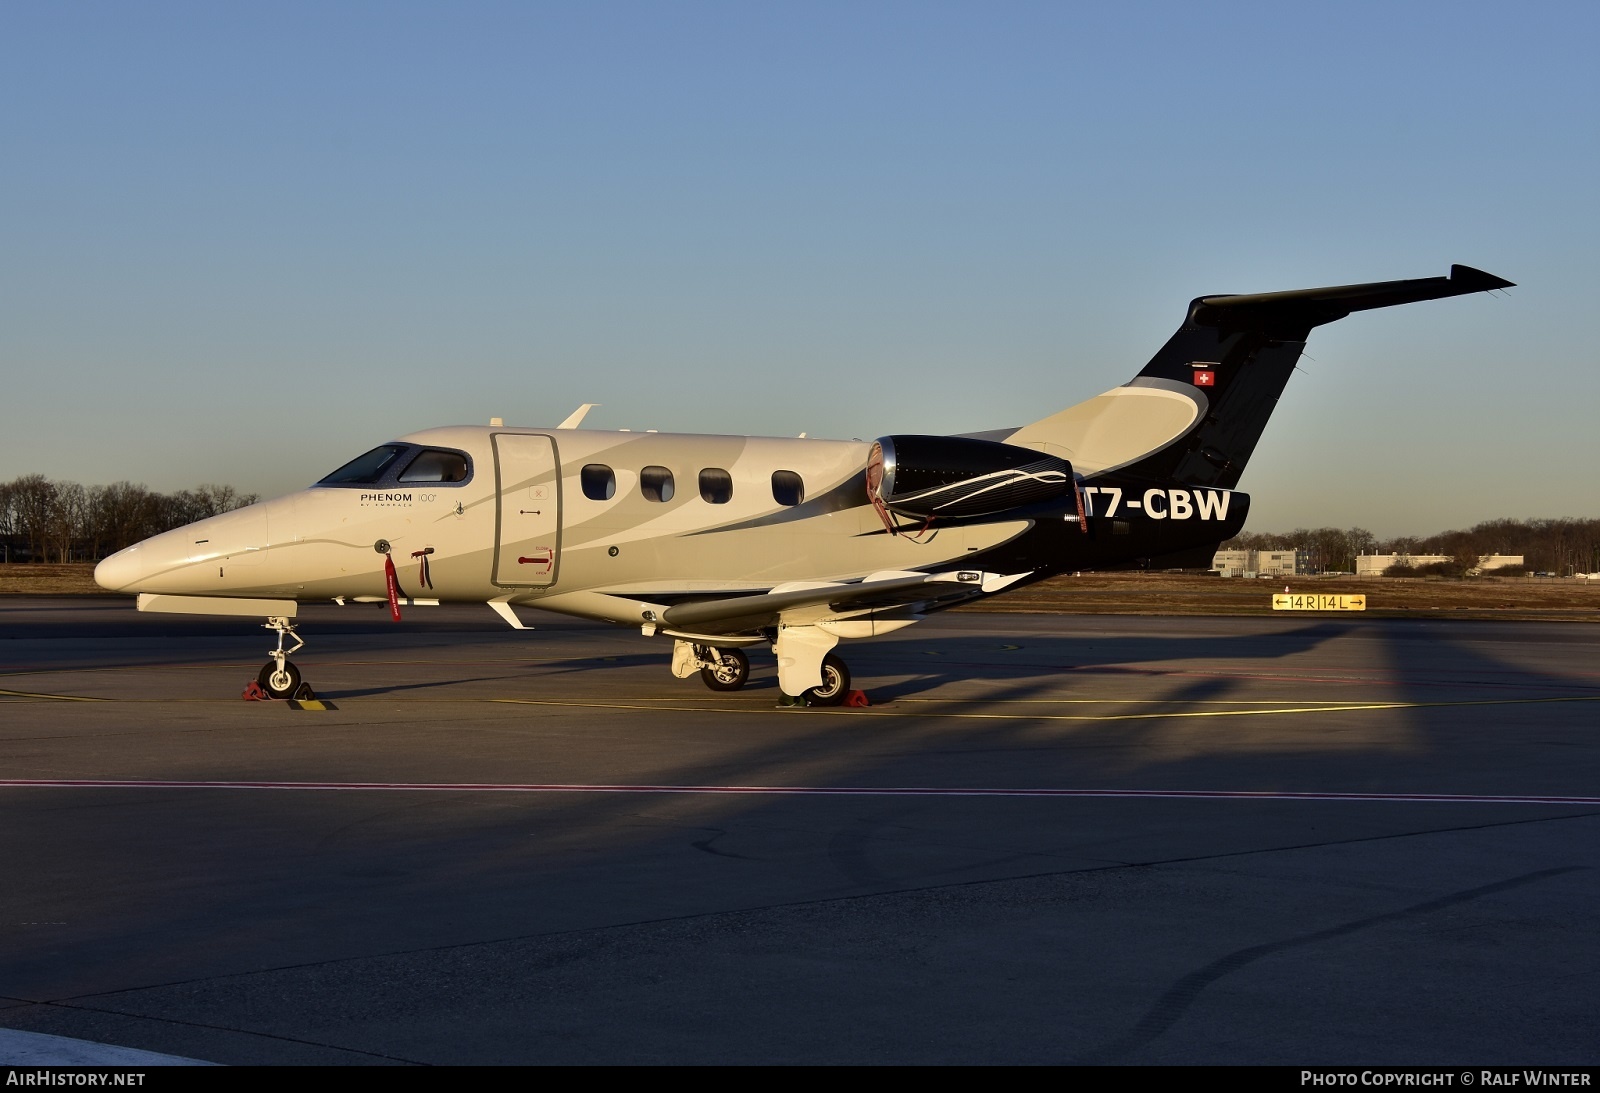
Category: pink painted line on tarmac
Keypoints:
(802, 791)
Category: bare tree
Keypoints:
(122, 514)
(43, 520)
(8, 523)
(33, 498)
(68, 517)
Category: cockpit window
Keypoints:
(434, 465)
(365, 470)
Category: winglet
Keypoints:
(1475, 280)
(986, 581)
(994, 582)
(575, 418)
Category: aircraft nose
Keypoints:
(121, 570)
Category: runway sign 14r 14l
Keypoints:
(1317, 601)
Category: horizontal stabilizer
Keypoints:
(1308, 307)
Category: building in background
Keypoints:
(1374, 565)
(1232, 563)
(1262, 563)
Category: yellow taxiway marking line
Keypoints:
(1150, 716)
(255, 664)
(53, 698)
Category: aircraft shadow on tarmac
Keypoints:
(398, 688)
(330, 878)
(1033, 658)
(934, 664)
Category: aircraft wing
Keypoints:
(888, 589)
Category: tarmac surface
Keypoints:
(1301, 840)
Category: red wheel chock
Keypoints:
(857, 698)
(254, 692)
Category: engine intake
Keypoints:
(950, 476)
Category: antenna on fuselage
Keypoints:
(575, 418)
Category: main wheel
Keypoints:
(835, 683)
(279, 684)
(731, 674)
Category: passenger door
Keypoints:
(528, 510)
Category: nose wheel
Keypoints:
(279, 681)
(278, 677)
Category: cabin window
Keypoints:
(656, 484)
(716, 486)
(435, 465)
(365, 470)
(599, 482)
(788, 488)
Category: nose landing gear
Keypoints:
(278, 677)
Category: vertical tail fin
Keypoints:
(1196, 411)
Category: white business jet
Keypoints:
(724, 543)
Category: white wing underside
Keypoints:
(809, 602)
(812, 616)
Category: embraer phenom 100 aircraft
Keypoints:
(723, 543)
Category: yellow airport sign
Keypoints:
(1317, 601)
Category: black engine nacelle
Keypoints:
(948, 476)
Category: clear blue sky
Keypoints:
(244, 242)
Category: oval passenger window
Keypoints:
(656, 484)
(716, 486)
(788, 488)
(599, 482)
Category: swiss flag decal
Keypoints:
(1205, 379)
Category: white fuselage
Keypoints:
(535, 521)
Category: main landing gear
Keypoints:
(732, 671)
(835, 684)
(727, 668)
(724, 669)
(278, 677)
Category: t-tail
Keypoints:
(1194, 414)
